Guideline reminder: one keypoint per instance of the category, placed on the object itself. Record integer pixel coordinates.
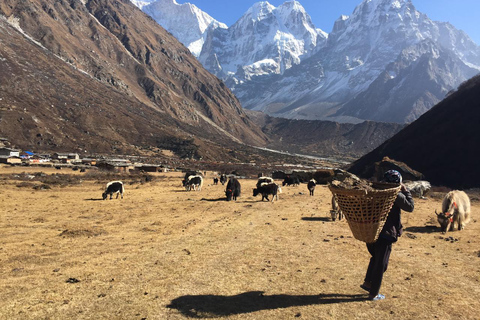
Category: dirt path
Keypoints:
(164, 253)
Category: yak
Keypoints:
(113, 187)
(311, 186)
(266, 189)
(194, 183)
(336, 212)
(455, 210)
(233, 189)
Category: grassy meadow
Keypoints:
(165, 253)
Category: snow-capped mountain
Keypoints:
(381, 40)
(141, 3)
(418, 79)
(186, 22)
(276, 61)
(265, 40)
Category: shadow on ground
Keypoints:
(316, 219)
(210, 306)
(214, 200)
(92, 199)
(424, 229)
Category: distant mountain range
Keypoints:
(100, 76)
(386, 62)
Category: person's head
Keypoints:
(392, 176)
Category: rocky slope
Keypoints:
(325, 139)
(102, 75)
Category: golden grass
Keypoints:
(164, 253)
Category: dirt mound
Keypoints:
(82, 233)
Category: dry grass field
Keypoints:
(164, 253)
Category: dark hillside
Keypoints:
(443, 144)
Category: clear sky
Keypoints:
(463, 14)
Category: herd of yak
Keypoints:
(455, 205)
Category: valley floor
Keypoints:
(164, 253)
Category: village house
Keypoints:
(66, 157)
(89, 161)
(9, 152)
(10, 156)
(117, 165)
(149, 168)
(38, 158)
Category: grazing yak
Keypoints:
(264, 180)
(113, 187)
(215, 181)
(291, 181)
(455, 209)
(233, 189)
(189, 174)
(194, 183)
(311, 186)
(223, 179)
(336, 212)
(266, 189)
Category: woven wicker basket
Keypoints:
(366, 211)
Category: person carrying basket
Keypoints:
(380, 250)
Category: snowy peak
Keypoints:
(185, 21)
(388, 25)
(355, 63)
(373, 6)
(265, 40)
(295, 19)
(259, 11)
(141, 3)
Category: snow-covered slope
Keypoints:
(265, 40)
(186, 22)
(358, 51)
(276, 61)
(141, 3)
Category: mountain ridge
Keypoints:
(331, 78)
(100, 76)
(101, 40)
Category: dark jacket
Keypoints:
(393, 226)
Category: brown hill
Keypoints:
(346, 141)
(443, 144)
(101, 76)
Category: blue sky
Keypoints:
(463, 14)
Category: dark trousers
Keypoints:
(380, 252)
